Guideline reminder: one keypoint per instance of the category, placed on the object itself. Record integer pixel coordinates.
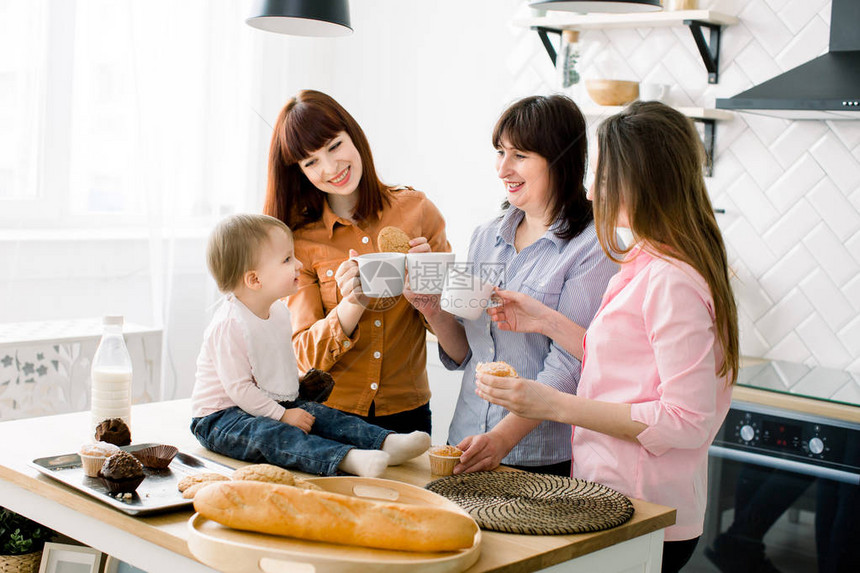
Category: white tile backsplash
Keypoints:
(745, 241)
(826, 383)
(777, 5)
(791, 188)
(767, 129)
(753, 339)
(751, 200)
(795, 182)
(790, 348)
(835, 209)
(850, 336)
(732, 41)
(848, 132)
(829, 302)
(756, 300)
(855, 197)
(811, 41)
(797, 222)
(798, 14)
(823, 343)
(787, 273)
(785, 317)
(853, 246)
(754, 156)
(767, 28)
(851, 290)
(831, 255)
(839, 164)
(794, 143)
(849, 393)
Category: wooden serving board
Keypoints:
(235, 551)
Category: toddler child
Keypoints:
(245, 402)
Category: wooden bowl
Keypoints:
(612, 92)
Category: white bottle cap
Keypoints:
(112, 319)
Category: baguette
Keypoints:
(334, 518)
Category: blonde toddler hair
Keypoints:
(234, 247)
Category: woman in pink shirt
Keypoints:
(659, 359)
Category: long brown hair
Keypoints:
(650, 164)
(307, 123)
(554, 128)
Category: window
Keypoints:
(118, 114)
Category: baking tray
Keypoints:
(236, 551)
(157, 493)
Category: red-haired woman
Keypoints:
(323, 185)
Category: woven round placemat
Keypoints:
(536, 504)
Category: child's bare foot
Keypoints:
(402, 447)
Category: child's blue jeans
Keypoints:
(258, 439)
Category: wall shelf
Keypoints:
(708, 117)
(695, 113)
(696, 20)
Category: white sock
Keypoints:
(402, 447)
(364, 463)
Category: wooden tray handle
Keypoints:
(376, 492)
(270, 565)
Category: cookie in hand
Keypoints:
(392, 240)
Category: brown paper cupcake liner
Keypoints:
(125, 485)
(156, 457)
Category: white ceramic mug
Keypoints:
(426, 271)
(465, 295)
(652, 92)
(382, 274)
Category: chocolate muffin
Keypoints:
(113, 431)
(122, 473)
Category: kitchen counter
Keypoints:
(158, 543)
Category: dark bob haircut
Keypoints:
(554, 128)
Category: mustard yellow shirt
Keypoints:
(383, 362)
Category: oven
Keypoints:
(782, 494)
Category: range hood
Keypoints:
(827, 87)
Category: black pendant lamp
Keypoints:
(301, 17)
(586, 6)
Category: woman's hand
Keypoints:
(427, 304)
(349, 283)
(519, 312)
(419, 245)
(482, 452)
(299, 418)
(520, 396)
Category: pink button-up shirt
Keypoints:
(652, 344)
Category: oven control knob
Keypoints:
(816, 446)
(747, 432)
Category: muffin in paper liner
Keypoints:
(443, 459)
(121, 473)
(122, 485)
(93, 456)
(156, 457)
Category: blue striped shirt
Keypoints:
(567, 275)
